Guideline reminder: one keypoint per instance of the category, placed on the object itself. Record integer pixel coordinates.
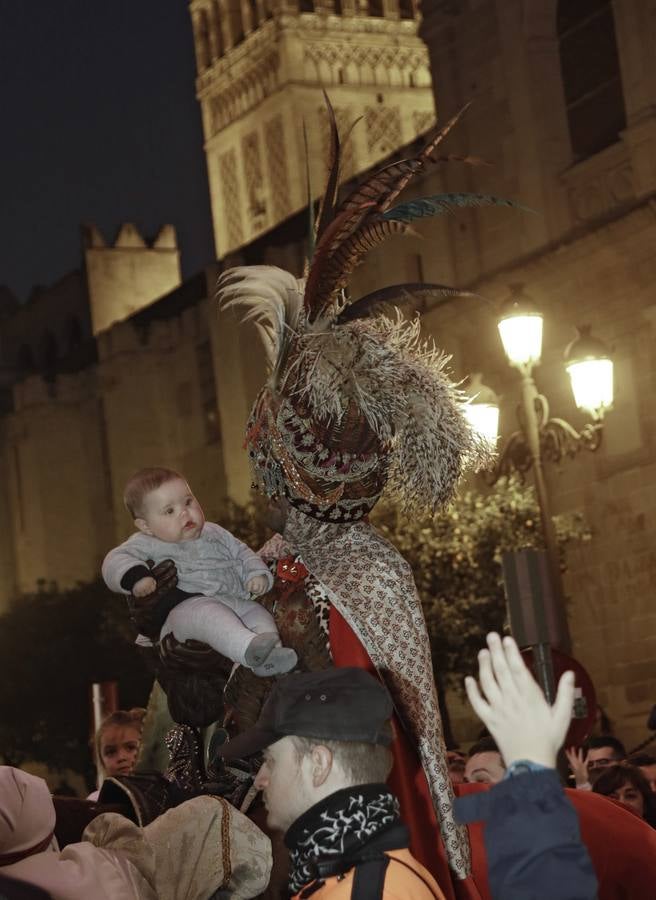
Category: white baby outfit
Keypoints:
(215, 567)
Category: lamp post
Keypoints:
(541, 438)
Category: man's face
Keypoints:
(285, 784)
(485, 768)
(171, 513)
(599, 759)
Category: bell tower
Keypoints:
(262, 66)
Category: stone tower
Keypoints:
(262, 68)
(130, 274)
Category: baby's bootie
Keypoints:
(266, 657)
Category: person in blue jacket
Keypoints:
(531, 834)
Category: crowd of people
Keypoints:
(325, 738)
(600, 765)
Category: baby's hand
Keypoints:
(257, 584)
(144, 586)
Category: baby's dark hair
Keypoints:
(142, 483)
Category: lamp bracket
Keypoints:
(557, 440)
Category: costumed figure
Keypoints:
(356, 403)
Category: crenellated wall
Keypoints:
(129, 274)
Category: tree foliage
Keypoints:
(456, 561)
(53, 646)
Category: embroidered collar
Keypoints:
(338, 826)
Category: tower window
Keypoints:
(218, 29)
(203, 42)
(590, 69)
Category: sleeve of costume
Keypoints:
(131, 554)
(191, 851)
(532, 839)
(251, 563)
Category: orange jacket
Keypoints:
(401, 882)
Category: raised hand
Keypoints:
(512, 706)
(578, 763)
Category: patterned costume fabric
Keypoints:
(371, 585)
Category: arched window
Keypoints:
(306, 6)
(590, 69)
(376, 8)
(237, 23)
(406, 9)
(204, 54)
(255, 14)
(219, 42)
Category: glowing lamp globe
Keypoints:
(482, 410)
(520, 327)
(590, 369)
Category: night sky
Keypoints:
(99, 124)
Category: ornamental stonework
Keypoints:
(383, 125)
(244, 92)
(274, 142)
(254, 179)
(423, 121)
(381, 65)
(230, 194)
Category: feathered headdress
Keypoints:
(356, 400)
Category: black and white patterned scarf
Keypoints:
(338, 826)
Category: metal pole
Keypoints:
(532, 432)
(104, 700)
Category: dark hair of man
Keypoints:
(597, 741)
(361, 763)
(485, 745)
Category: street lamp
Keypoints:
(540, 437)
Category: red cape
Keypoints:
(622, 847)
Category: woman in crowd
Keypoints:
(628, 786)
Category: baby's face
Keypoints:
(171, 513)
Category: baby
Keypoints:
(213, 565)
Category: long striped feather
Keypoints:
(441, 203)
(399, 296)
(327, 208)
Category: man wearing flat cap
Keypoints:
(325, 737)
